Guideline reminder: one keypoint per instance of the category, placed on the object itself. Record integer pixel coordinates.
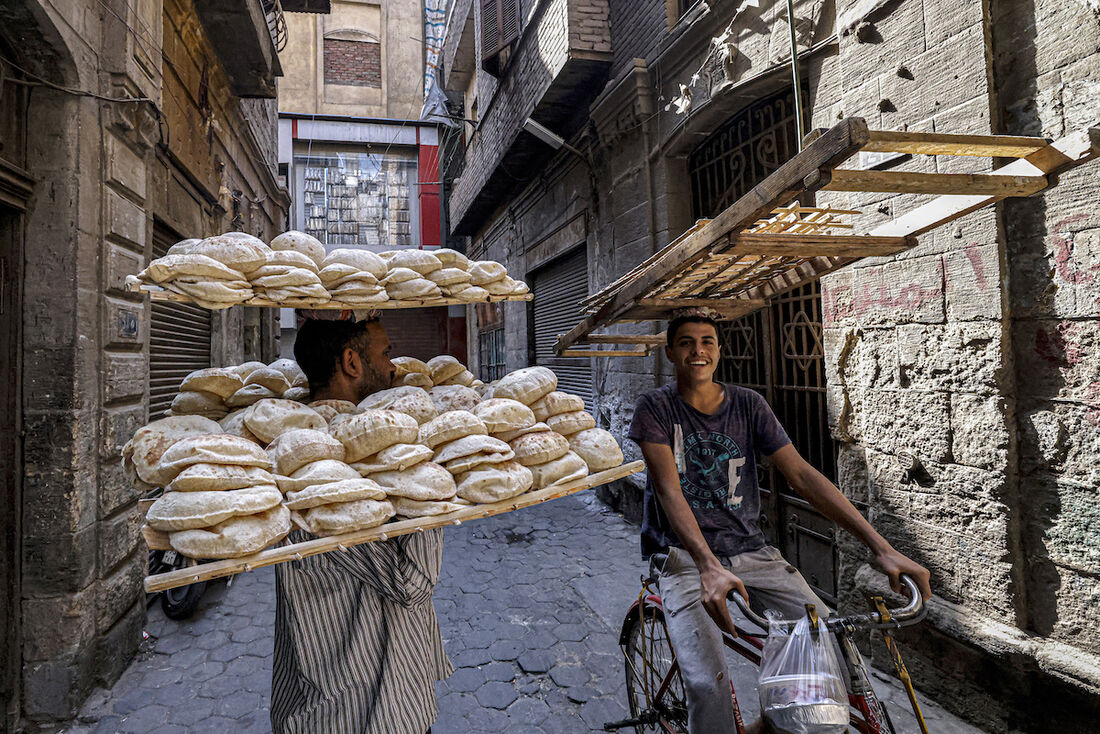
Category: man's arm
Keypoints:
(717, 581)
(827, 499)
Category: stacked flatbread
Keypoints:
(204, 392)
(421, 274)
(482, 466)
(220, 499)
(283, 378)
(352, 276)
(412, 401)
(289, 274)
(212, 272)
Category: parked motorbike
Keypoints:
(180, 602)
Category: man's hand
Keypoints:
(894, 564)
(717, 582)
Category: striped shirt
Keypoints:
(357, 644)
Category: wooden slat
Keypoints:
(624, 339)
(297, 551)
(155, 539)
(910, 182)
(801, 173)
(818, 245)
(641, 351)
(1006, 146)
(718, 304)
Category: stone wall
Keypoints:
(103, 172)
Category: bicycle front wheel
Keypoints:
(649, 658)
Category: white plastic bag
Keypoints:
(801, 685)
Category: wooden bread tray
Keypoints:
(160, 294)
(157, 540)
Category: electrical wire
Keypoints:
(43, 82)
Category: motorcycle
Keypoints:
(180, 602)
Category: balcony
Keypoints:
(244, 42)
(558, 65)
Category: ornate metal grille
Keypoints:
(776, 351)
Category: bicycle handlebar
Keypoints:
(913, 612)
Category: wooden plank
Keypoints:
(624, 339)
(794, 177)
(1065, 153)
(639, 352)
(910, 182)
(1006, 146)
(298, 551)
(818, 245)
(718, 304)
(155, 539)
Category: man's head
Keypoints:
(693, 347)
(344, 360)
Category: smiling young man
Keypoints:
(700, 440)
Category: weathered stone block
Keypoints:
(60, 562)
(928, 545)
(1077, 598)
(124, 375)
(115, 489)
(979, 431)
(1063, 522)
(966, 357)
(54, 689)
(59, 625)
(125, 323)
(116, 593)
(896, 421)
(125, 168)
(126, 221)
(865, 357)
(119, 424)
(845, 411)
(900, 292)
(118, 536)
(973, 283)
(896, 36)
(851, 469)
(116, 648)
(1061, 359)
(120, 262)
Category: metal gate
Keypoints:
(776, 351)
(179, 339)
(559, 288)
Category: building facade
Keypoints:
(124, 127)
(950, 391)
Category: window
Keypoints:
(357, 198)
(499, 30)
(490, 341)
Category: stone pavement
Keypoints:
(530, 605)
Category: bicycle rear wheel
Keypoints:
(649, 658)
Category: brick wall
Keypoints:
(354, 63)
(636, 27)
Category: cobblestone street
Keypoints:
(530, 604)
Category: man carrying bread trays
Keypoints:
(700, 439)
(357, 644)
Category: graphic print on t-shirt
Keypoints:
(711, 471)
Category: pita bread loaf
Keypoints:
(301, 242)
(291, 371)
(221, 381)
(329, 409)
(556, 402)
(246, 369)
(398, 457)
(465, 378)
(250, 394)
(189, 510)
(510, 436)
(289, 278)
(367, 433)
(569, 423)
(298, 395)
(494, 483)
(347, 517)
(413, 401)
(217, 293)
(298, 295)
(526, 385)
(406, 507)
(469, 445)
(504, 414)
(486, 271)
(451, 258)
(396, 276)
(237, 250)
(449, 276)
(473, 461)
(171, 267)
(144, 451)
(453, 397)
(506, 286)
(362, 260)
(564, 469)
(419, 260)
(272, 379)
(539, 448)
(425, 481)
(235, 537)
(345, 490)
(416, 379)
(416, 289)
(443, 368)
(183, 246)
(473, 294)
(300, 446)
(335, 273)
(212, 448)
(194, 402)
(451, 426)
(234, 424)
(597, 447)
(287, 259)
(405, 365)
(272, 416)
(219, 478)
(316, 472)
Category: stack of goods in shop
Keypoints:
(296, 270)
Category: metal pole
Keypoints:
(795, 75)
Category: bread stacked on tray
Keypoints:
(220, 393)
(482, 466)
(295, 270)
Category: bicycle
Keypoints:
(656, 690)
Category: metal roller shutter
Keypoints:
(419, 333)
(559, 288)
(179, 340)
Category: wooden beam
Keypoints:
(1006, 146)
(1063, 154)
(641, 352)
(817, 245)
(794, 177)
(623, 339)
(909, 182)
(297, 551)
(718, 304)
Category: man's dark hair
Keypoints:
(676, 323)
(320, 346)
